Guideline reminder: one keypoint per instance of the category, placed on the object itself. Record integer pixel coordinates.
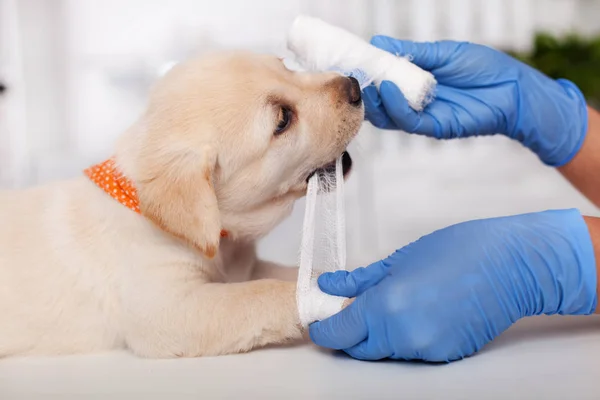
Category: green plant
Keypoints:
(572, 57)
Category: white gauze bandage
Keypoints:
(319, 46)
(323, 244)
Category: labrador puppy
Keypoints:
(161, 258)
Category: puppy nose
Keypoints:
(353, 90)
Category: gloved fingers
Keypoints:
(367, 351)
(374, 110)
(396, 106)
(426, 55)
(342, 330)
(352, 283)
(405, 117)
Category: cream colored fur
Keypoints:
(79, 272)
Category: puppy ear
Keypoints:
(176, 192)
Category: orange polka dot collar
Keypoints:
(112, 181)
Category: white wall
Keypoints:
(79, 69)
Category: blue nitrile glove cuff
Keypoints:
(573, 291)
(581, 117)
(552, 123)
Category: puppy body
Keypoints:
(80, 272)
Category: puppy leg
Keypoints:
(213, 319)
(266, 269)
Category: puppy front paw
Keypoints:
(315, 305)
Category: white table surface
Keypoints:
(539, 358)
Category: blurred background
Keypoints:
(76, 73)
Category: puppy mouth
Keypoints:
(329, 168)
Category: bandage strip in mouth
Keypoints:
(323, 246)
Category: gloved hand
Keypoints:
(449, 293)
(482, 91)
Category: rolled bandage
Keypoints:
(319, 46)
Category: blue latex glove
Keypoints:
(482, 91)
(446, 295)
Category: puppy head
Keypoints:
(228, 143)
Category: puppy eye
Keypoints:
(284, 119)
